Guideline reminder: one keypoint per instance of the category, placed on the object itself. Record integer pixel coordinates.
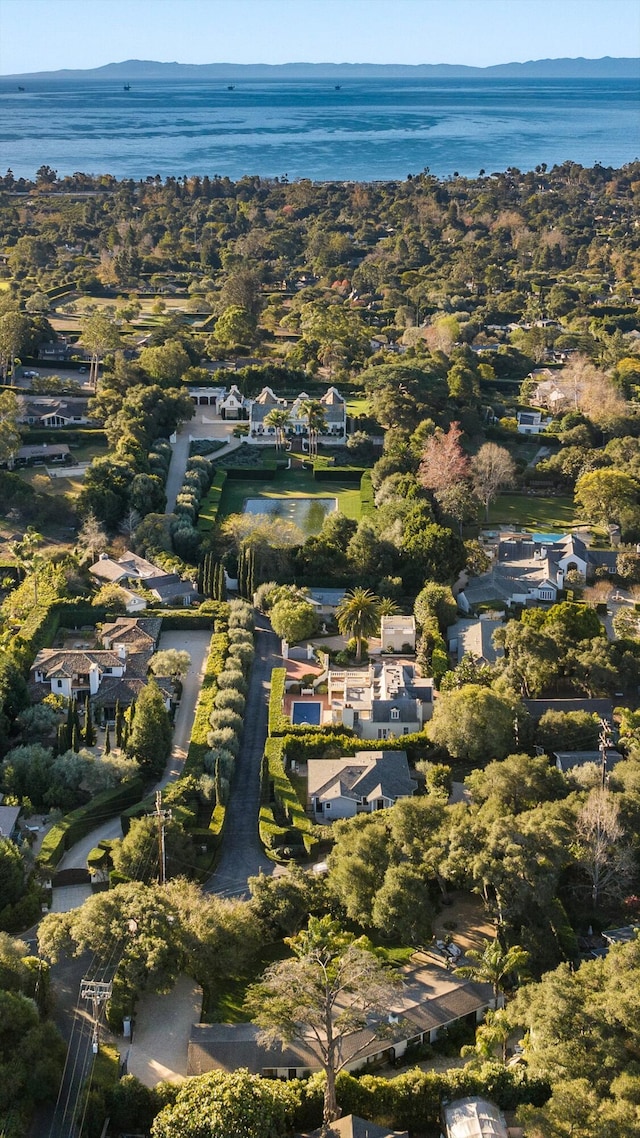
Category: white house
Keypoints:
(233, 405)
(384, 701)
(367, 781)
(332, 403)
(531, 568)
(531, 422)
(398, 633)
(77, 673)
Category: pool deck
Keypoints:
(289, 700)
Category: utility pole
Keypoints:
(98, 991)
(605, 743)
(161, 816)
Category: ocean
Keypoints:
(366, 130)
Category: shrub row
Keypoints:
(278, 722)
(80, 822)
(347, 474)
(68, 435)
(334, 742)
(282, 822)
(194, 763)
(212, 502)
(412, 1101)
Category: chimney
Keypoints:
(121, 649)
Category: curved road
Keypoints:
(242, 853)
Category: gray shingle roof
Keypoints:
(361, 775)
(407, 709)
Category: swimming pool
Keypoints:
(306, 713)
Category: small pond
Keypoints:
(306, 513)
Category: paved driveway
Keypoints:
(158, 1050)
(200, 427)
(242, 853)
(197, 645)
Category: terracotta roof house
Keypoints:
(367, 781)
(431, 998)
(76, 673)
(138, 634)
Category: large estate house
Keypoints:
(332, 404)
(114, 673)
(386, 700)
(532, 568)
(231, 404)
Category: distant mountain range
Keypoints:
(141, 69)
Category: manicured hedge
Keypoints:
(69, 435)
(412, 1101)
(198, 746)
(296, 828)
(82, 821)
(177, 620)
(251, 473)
(279, 723)
(330, 742)
(337, 474)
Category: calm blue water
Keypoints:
(373, 129)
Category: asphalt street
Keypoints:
(242, 853)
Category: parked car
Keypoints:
(31, 374)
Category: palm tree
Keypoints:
(388, 607)
(358, 615)
(493, 964)
(313, 411)
(279, 418)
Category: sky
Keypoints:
(46, 35)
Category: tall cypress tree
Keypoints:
(63, 740)
(76, 739)
(119, 724)
(88, 733)
(150, 736)
(107, 740)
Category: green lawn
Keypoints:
(289, 484)
(548, 515)
(358, 406)
(224, 1001)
